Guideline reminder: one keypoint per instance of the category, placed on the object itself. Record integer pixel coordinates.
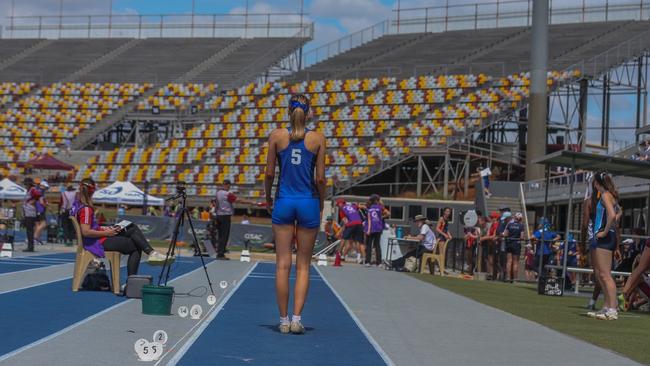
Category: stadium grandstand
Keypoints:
(413, 108)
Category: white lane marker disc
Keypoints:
(196, 311)
(183, 311)
(160, 336)
(212, 300)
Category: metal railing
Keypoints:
(346, 43)
(488, 15)
(558, 189)
(262, 25)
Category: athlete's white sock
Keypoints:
(295, 318)
(284, 320)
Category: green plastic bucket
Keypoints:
(157, 300)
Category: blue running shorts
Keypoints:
(608, 242)
(303, 212)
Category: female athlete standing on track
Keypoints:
(300, 155)
(604, 243)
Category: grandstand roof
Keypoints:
(585, 161)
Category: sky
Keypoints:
(333, 19)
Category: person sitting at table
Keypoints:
(427, 240)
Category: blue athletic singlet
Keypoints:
(599, 223)
(297, 199)
(296, 171)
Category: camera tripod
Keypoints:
(180, 220)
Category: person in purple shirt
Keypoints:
(350, 214)
(373, 229)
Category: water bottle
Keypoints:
(399, 232)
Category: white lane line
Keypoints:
(34, 269)
(81, 322)
(372, 341)
(207, 320)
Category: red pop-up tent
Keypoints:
(48, 162)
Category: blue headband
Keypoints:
(296, 104)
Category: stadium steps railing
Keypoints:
(264, 62)
(108, 57)
(379, 55)
(211, 61)
(25, 53)
(477, 53)
(88, 136)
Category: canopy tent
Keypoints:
(11, 191)
(126, 193)
(47, 162)
(585, 161)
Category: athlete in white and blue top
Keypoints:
(604, 243)
(297, 210)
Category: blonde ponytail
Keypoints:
(297, 124)
(298, 109)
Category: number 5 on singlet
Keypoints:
(296, 158)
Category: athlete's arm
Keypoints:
(321, 182)
(269, 174)
(586, 212)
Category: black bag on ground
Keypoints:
(96, 280)
(134, 285)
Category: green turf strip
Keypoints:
(629, 335)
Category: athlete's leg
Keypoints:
(635, 277)
(597, 284)
(306, 239)
(508, 275)
(604, 265)
(283, 235)
(515, 267)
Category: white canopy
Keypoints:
(11, 191)
(126, 193)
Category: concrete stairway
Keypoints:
(112, 55)
(24, 53)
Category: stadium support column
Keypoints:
(536, 146)
(446, 175)
(419, 184)
(582, 111)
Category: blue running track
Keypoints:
(15, 264)
(37, 312)
(245, 331)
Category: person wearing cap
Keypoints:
(500, 249)
(514, 235)
(543, 238)
(427, 242)
(350, 215)
(41, 206)
(225, 201)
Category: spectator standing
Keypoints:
(485, 177)
(375, 227)
(67, 199)
(442, 229)
(224, 205)
(489, 240)
(514, 235)
(29, 212)
(472, 237)
(121, 211)
(41, 208)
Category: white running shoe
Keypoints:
(284, 328)
(594, 314)
(609, 314)
(297, 327)
(159, 259)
